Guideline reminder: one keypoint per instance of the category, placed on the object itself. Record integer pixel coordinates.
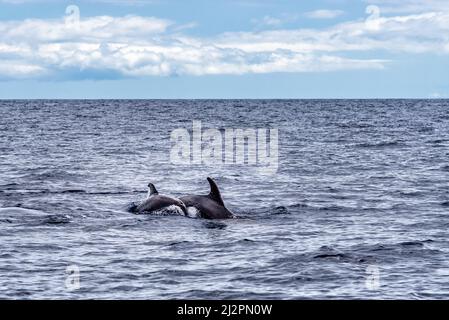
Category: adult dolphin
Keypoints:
(210, 206)
(156, 201)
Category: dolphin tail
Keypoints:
(214, 193)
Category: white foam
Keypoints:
(17, 211)
(172, 210)
(193, 212)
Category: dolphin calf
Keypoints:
(210, 206)
(156, 201)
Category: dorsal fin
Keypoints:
(214, 193)
(152, 189)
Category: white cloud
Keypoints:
(324, 14)
(119, 2)
(134, 46)
(18, 69)
(268, 21)
(428, 32)
(437, 95)
(96, 28)
(409, 6)
(278, 21)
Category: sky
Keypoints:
(169, 49)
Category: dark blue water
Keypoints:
(362, 185)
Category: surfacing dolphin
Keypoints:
(156, 201)
(210, 206)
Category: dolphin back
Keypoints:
(210, 206)
(157, 202)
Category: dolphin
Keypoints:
(210, 206)
(156, 201)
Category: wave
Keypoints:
(280, 210)
(19, 211)
(69, 191)
(20, 215)
(354, 125)
(50, 174)
(338, 256)
(437, 141)
(302, 207)
(57, 219)
(363, 254)
(9, 186)
(381, 144)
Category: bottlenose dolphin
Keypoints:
(156, 201)
(210, 206)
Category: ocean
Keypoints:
(357, 208)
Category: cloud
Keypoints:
(437, 95)
(324, 14)
(409, 6)
(278, 21)
(100, 28)
(421, 33)
(118, 2)
(268, 21)
(19, 69)
(136, 46)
